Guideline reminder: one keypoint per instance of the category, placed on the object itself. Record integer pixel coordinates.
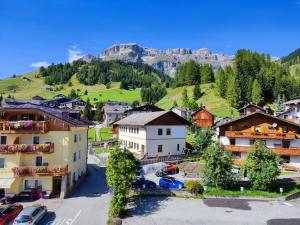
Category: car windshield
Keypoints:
(22, 219)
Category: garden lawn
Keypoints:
(92, 135)
(105, 133)
(235, 192)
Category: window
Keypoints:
(79, 154)
(178, 147)
(79, 137)
(159, 131)
(38, 184)
(39, 161)
(168, 131)
(137, 130)
(159, 148)
(137, 146)
(3, 140)
(74, 156)
(237, 155)
(286, 144)
(75, 138)
(251, 141)
(36, 140)
(232, 141)
(2, 162)
(286, 158)
(285, 129)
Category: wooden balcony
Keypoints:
(277, 150)
(40, 171)
(24, 127)
(258, 135)
(27, 148)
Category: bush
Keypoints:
(194, 187)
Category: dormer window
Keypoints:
(285, 129)
(256, 129)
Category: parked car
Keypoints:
(167, 170)
(8, 213)
(170, 182)
(29, 194)
(141, 182)
(30, 215)
(8, 198)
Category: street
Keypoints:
(87, 205)
(164, 210)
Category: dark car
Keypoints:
(9, 213)
(167, 170)
(29, 194)
(141, 182)
(8, 198)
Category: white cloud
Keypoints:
(74, 53)
(39, 64)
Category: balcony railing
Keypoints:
(258, 135)
(40, 170)
(277, 150)
(27, 148)
(23, 126)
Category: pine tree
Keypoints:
(256, 93)
(221, 81)
(87, 111)
(185, 98)
(197, 91)
(99, 113)
(207, 74)
(233, 92)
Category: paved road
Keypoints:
(163, 210)
(88, 205)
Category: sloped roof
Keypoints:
(142, 119)
(145, 108)
(251, 104)
(262, 114)
(58, 113)
(202, 109)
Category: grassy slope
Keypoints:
(293, 69)
(214, 103)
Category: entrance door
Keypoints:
(56, 186)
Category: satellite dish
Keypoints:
(274, 125)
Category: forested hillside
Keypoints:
(255, 78)
(292, 59)
(131, 75)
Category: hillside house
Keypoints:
(292, 110)
(203, 118)
(251, 108)
(114, 113)
(282, 136)
(153, 134)
(181, 111)
(142, 109)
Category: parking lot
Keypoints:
(167, 210)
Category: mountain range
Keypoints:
(164, 60)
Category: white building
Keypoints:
(181, 111)
(292, 110)
(153, 134)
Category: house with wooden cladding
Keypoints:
(43, 148)
(250, 108)
(203, 118)
(153, 134)
(282, 136)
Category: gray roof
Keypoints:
(140, 119)
(58, 113)
(118, 109)
(293, 101)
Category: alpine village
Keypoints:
(206, 129)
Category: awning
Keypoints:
(6, 182)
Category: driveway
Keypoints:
(87, 205)
(165, 210)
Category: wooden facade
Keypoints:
(203, 118)
(250, 108)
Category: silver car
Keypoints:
(31, 215)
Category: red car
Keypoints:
(169, 169)
(9, 212)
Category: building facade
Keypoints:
(153, 134)
(280, 135)
(41, 147)
(203, 118)
(181, 111)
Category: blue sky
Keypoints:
(34, 32)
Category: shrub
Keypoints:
(194, 187)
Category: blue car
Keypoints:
(170, 182)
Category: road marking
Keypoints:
(76, 217)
